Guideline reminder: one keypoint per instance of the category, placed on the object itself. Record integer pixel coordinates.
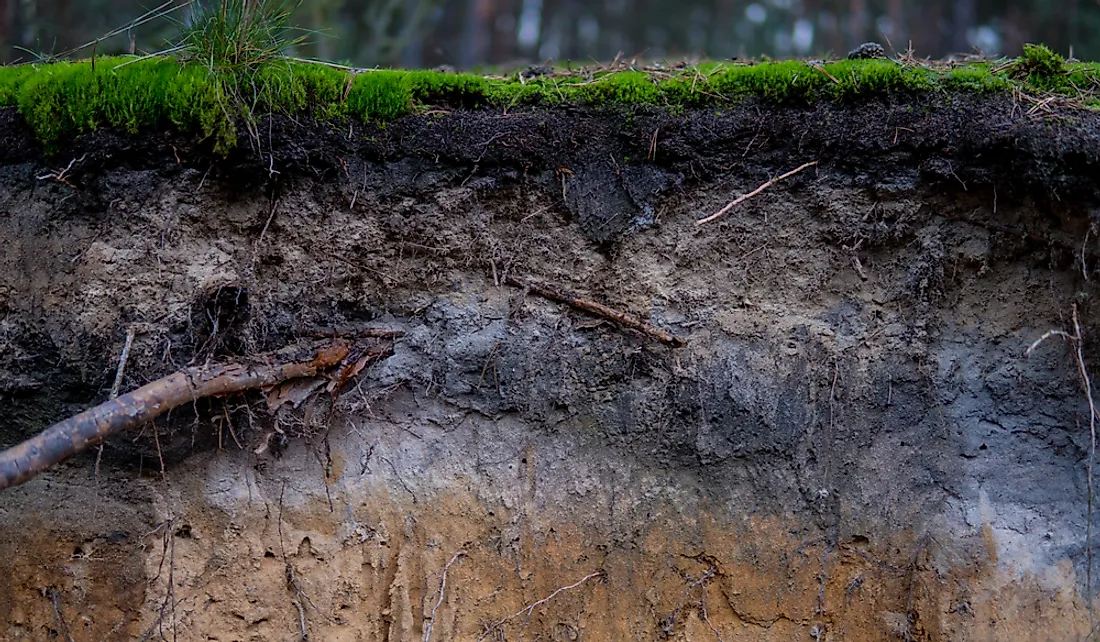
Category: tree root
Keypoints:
(91, 427)
(597, 309)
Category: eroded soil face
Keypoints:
(852, 445)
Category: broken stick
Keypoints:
(598, 309)
(744, 197)
(91, 427)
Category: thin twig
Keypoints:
(302, 619)
(744, 197)
(598, 309)
(130, 333)
(1084, 257)
(530, 608)
(119, 372)
(442, 586)
(1048, 334)
(263, 233)
(232, 432)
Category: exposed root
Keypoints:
(706, 616)
(292, 583)
(669, 626)
(169, 603)
(263, 233)
(62, 626)
(598, 309)
(1077, 341)
(439, 601)
(529, 610)
(71, 436)
(62, 175)
(744, 197)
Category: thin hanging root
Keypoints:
(91, 427)
(744, 197)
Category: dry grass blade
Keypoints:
(163, 10)
(239, 34)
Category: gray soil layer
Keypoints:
(853, 444)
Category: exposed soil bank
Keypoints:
(851, 446)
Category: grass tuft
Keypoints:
(11, 79)
(239, 35)
(1039, 60)
(240, 72)
(628, 87)
(379, 95)
(974, 79)
(65, 99)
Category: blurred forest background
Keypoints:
(471, 34)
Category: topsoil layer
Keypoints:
(853, 443)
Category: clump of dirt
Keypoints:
(852, 444)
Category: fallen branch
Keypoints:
(91, 427)
(598, 309)
(744, 197)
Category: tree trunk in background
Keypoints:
(567, 29)
(504, 29)
(899, 36)
(6, 8)
(475, 36)
(927, 32)
(1072, 31)
(468, 33)
(548, 36)
(857, 23)
(833, 29)
(613, 38)
(26, 26)
(321, 42)
(412, 56)
(719, 40)
(962, 21)
(1059, 27)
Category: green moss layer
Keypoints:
(62, 100)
